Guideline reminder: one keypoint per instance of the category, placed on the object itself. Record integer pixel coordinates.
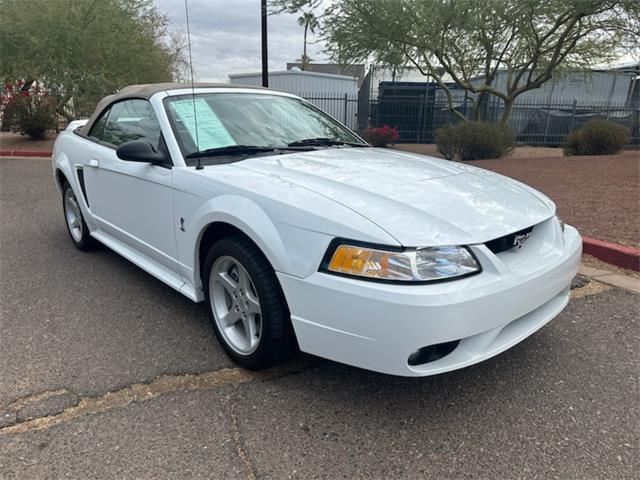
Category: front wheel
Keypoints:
(246, 304)
(76, 226)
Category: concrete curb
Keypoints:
(26, 153)
(619, 255)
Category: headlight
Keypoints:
(398, 265)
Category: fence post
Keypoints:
(546, 128)
(346, 103)
(420, 116)
(464, 104)
(573, 115)
(429, 115)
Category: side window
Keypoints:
(130, 120)
(98, 128)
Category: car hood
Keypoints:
(419, 200)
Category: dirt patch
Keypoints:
(13, 141)
(592, 287)
(520, 152)
(599, 195)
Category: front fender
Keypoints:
(246, 216)
(60, 163)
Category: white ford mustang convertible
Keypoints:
(296, 233)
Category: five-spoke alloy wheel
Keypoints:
(246, 304)
(76, 226)
(235, 304)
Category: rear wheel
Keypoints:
(246, 304)
(76, 226)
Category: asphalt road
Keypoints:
(107, 373)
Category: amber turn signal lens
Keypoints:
(402, 265)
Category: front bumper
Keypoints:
(377, 326)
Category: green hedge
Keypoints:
(598, 137)
(474, 141)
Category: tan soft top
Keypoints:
(146, 91)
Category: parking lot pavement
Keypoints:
(107, 373)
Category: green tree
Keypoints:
(471, 41)
(309, 21)
(82, 50)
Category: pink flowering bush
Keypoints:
(7, 95)
(381, 136)
(33, 112)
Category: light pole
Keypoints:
(265, 69)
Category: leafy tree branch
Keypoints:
(471, 43)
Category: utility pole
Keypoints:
(265, 69)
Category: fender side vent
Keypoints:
(80, 173)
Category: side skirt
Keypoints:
(154, 268)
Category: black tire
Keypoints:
(277, 339)
(84, 241)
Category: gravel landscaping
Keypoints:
(599, 195)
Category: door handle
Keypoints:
(94, 163)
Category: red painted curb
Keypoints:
(620, 255)
(26, 153)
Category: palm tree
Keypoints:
(309, 21)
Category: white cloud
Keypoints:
(225, 37)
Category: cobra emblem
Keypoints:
(520, 240)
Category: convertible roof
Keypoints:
(146, 91)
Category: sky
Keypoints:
(225, 37)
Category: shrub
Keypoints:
(447, 141)
(597, 137)
(381, 136)
(474, 140)
(7, 95)
(33, 113)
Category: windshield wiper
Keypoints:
(324, 142)
(236, 150)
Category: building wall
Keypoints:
(301, 82)
(610, 87)
(357, 70)
(588, 87)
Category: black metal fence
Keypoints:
(418, 117)
(549, 124)
(343, 108)
(536, 123)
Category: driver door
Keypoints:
(131, 202)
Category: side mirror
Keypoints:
(141, 151)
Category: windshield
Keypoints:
(216, 120)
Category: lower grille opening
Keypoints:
(431, 353)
